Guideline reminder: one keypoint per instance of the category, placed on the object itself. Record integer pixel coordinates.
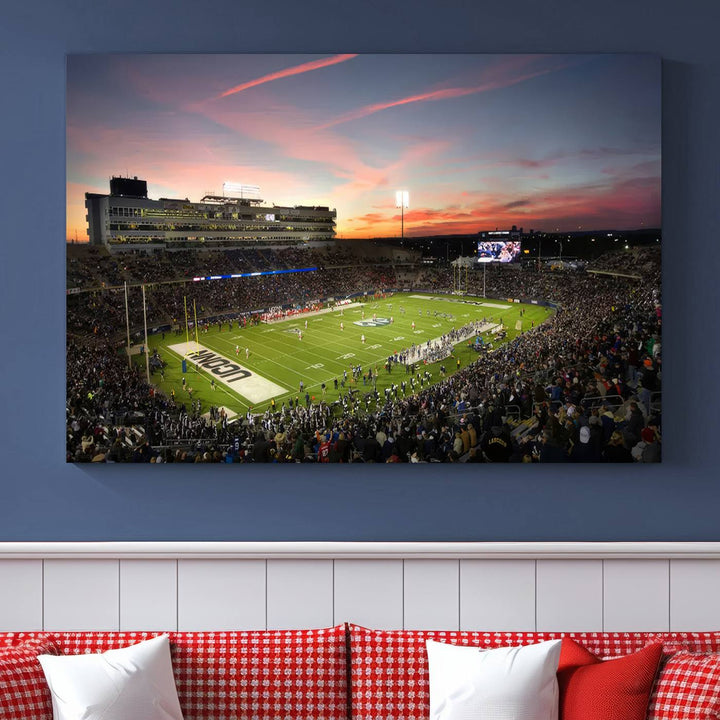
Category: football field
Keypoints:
(245, 369)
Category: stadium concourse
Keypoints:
(582, 387)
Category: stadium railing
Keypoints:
(655, 401)
(513, 411)
(590, 403)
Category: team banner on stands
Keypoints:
(254, 274)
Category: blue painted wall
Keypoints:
(41, 498)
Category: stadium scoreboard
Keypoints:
(498, 246)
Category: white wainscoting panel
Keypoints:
(471, 586)
(497, 595)
(569, 595)
(694, 595)
(148, 595)
(21, 595)
(431, 595)
(369, 593)
(299, 594)
(221, 594)
(82, 594)
(635, 595)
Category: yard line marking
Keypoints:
(263, 345)
(277, 348)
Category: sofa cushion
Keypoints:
(389, 670)
(24, 693)
(243, 675)
(591, 689)
(687, 687)
(692, 642)
(274, 675)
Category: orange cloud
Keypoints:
(631, 202)
(288, 72)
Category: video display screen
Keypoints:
(498, 250)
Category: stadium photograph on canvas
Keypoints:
(363, 258)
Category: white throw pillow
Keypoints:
(513, 683)
(135, 682)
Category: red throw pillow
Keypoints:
(24, 692)
(617, 689)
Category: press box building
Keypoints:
(127, 219)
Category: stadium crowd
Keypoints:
(102, 312)
(580, 387)
(91, 267)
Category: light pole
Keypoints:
(127, 325)
(147, 354)
(402, 200)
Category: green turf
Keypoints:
(325, 350)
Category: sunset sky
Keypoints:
(479, 141)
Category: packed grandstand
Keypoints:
(583, 386)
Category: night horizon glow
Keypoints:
(548, 142)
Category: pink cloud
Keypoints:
(288, 72)
(290, 134)
(286, 130)
(500, 77)
(173, 166)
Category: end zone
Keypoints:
(255, 388)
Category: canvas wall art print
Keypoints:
(363, 258)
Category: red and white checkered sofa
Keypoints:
(253, 675)
(389, 668)
(346, 671)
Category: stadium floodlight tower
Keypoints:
(402, 201)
